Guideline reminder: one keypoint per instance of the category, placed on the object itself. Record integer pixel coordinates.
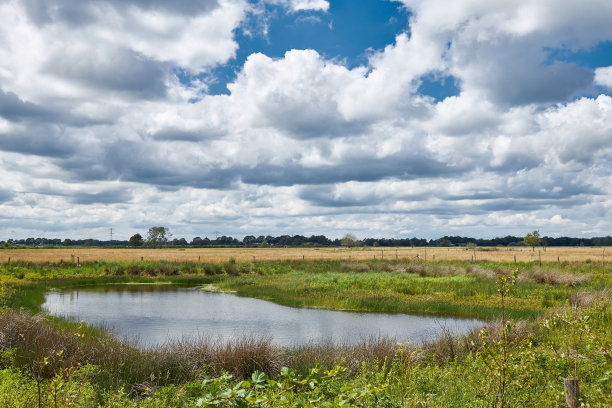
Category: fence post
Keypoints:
(141, 258)
(78, 261)
(515, 259)
(540, 257)
(382, 254)
(396, 258)
(198, 258)
(9, 261)
(572, 392)
(302, 257)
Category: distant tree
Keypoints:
(67, 242)
(532, 239)
(135, 240)
(445, 242)
(265, 244)
(179, 242)
(249, 240)
(349, 240)
(157, 237)
(90, 242)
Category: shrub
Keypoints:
(213, 269)
(354, 267)
(134, 269)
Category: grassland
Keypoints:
(222, 255)
(560, 313)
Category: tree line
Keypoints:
(161, 237)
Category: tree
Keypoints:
(158, 236)
(249, 240)
(136, 240)
(349, 240)
(532, 239)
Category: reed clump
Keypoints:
(354, 267)
(585, 298)
(553, 277)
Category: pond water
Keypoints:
(155, 314)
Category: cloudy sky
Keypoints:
(381, 118)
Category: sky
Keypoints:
(379, 118)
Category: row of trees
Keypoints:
(160, 236)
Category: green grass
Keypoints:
(443, 289)
(567, 312)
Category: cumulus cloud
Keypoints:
(90, 95)
(603, 77)
(302, 5)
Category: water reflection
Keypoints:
(154, 314)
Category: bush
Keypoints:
(231, 268)
(213, 269)
(134, 269)
(354, 267)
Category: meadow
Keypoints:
(223, 255)
(546, 321)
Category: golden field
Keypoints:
(222, 255)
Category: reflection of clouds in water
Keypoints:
(156, 316)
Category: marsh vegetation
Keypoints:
(558, 323)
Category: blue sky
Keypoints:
(348, 32)
(379, 118)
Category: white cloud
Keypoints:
(603, 77)
(302, 5)
(99, 129)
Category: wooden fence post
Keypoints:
(540, 257)
(515, 259)
(9, 261)
(78, 261)
(572, 392)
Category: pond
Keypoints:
(155, 314)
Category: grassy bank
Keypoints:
(561, 320)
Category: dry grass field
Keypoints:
(222, 255)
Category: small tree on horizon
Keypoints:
(349, 240)
(157, 237)
(532, 239)
(136, 240)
